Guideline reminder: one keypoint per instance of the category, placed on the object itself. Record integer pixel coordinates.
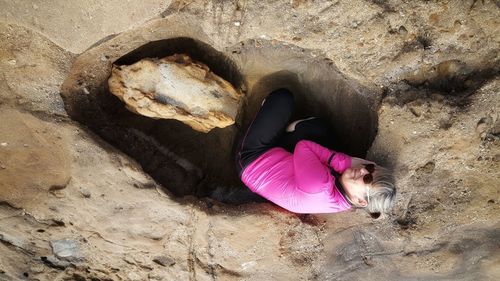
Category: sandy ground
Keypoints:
(438, 127)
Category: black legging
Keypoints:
(267, 130)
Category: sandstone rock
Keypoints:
(442, 234)
(176, 87)
(134, 276)
(31, 172)
(81, 17)
(37, 268)
(67, 250)
(53, 261)
(85, 192)
(11, 240)
(164, 260)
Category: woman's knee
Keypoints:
(282, 96)
(314, 127)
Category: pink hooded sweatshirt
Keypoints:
(300, 182)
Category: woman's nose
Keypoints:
(364, 171)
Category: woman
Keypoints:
(312, 179)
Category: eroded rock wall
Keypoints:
(434, 63)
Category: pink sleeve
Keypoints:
(340, 162)
(310, 162)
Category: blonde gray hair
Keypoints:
(382, 192)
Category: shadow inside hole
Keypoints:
(183, 160)
(263, 87)
(350, 119)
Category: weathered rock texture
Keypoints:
(176, 87)
(83, 24)
(34, 158)
(431, 70)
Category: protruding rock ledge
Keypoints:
(176, 87)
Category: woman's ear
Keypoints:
(362, 202)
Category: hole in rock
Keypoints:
(351, 121)
(188, 162)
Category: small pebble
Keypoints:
(3, 144)
(164, 260)
(237, 23)
(85, 192)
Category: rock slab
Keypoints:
(176, 87)
(66, 249)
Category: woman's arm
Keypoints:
(311, 164)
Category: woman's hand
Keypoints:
(355, 161)
(291, 126)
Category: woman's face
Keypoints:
(354, 184)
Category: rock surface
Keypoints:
(84, 23)
(66, 249)
(176, 87)
(445, 148)
(34, 158)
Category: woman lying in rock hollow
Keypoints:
(312, 179)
